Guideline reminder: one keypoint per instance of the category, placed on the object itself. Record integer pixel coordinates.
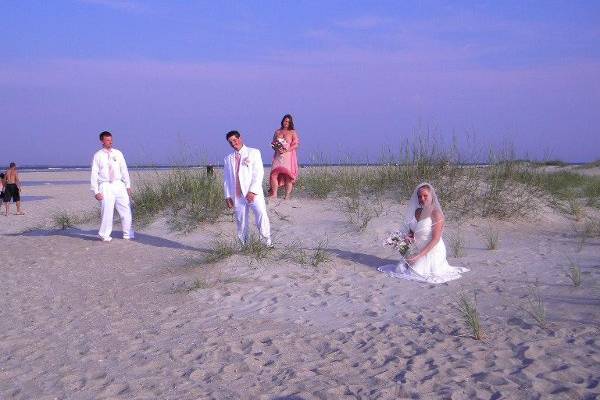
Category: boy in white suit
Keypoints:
(243, 176)
(111, 187)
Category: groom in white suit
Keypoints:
(243, 176)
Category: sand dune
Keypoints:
(82, 319)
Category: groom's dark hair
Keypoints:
(232, 133)
(105, 133)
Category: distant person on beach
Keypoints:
(284, 169)
(112, 187)
(243, 174)
(12, 188)
(2, 185)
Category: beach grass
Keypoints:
(320, 254)
(221, 250)
(457, 244)
(535, 306)
(488, 191)
(504, 187)
(589, 229)
(198, 284)
(186, 196)
(574, 273)
(64, 220)
(592, 193)
(359, 210)
(470, 314)
(294, 252)
(491, 237)
(256, 249)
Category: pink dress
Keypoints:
(285, 164)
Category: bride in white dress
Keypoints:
(425, 222)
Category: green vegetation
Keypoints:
(535, 306)
(186, 196)
(198, 284)
(220, 250)
(491, 238)
(574, 273)
(470, 315)
(457, 245)
(320, 254)
(256, 249)
(503, 188)
(359, 210)
(63, 220)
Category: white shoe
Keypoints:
(106, 239)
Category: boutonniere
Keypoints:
(246, 162)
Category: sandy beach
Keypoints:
(150, 319)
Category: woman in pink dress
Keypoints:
(284, 170)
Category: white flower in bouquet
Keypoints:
(279, 144)
(397, 241)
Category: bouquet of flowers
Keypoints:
(279, 144)
(397, 241)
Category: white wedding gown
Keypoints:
(433, 267)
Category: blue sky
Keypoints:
(170, 78)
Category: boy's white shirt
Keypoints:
(100, 169)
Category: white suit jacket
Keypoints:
(251, 172)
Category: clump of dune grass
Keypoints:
(490, 191)
(198, 284)
(574, 273)
(63, 220)
(294, 252)
(503, 188)
(491, 237)
(590, 229)
(567, 189)
(317, 182)
(535, 306)
(187, 196)
(320, 255)
(256, 249)
(220, 250)
(592, 192)
(470, 315)
(574, 207)
(359, 211)
(550, 163)
(457, 244)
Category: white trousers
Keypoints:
(242, 217)
(115, 195)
